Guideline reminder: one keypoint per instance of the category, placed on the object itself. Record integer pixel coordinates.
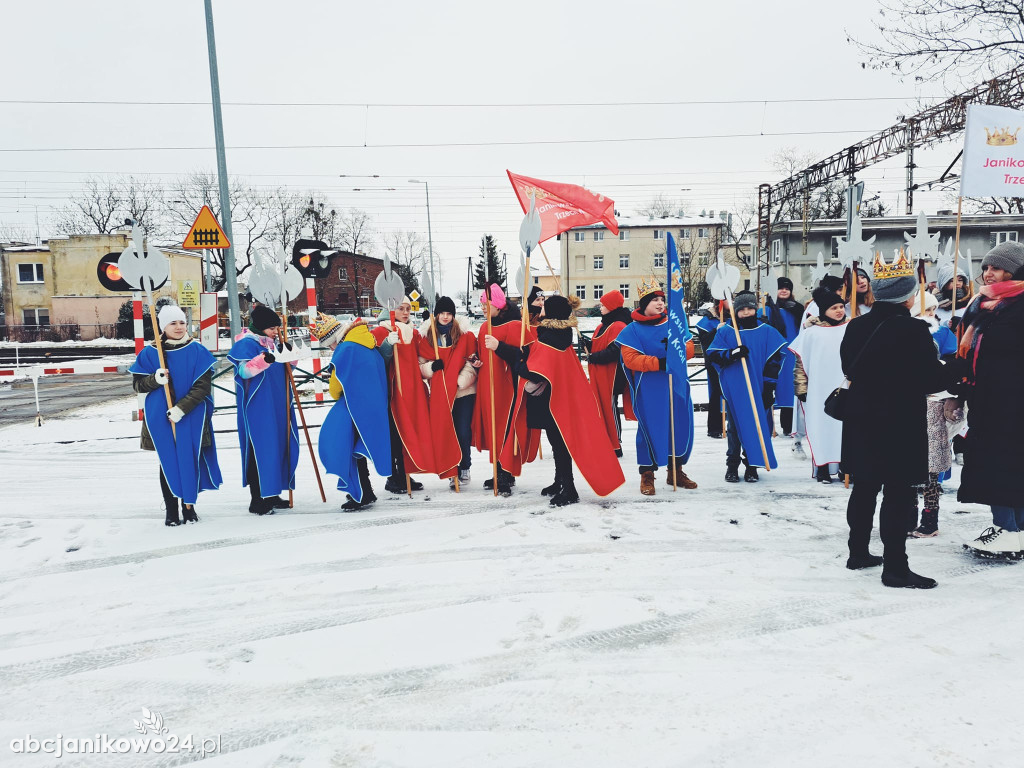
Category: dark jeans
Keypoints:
(397, 454)
(561, 455)
(170, 500)
(893, 516)
(462, 417)
(786, 420)
(714, 402)
(734, 452)
(252, 475)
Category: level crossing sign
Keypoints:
(205, 233)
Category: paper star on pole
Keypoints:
(819, 272)
(855, 247)
(922, 245)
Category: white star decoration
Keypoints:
(855, 247)
(818, 272)
(922, 245)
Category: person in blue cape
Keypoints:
(356, 428)
(761, 346)
(186, 450)
(268, 435)
(785, 315)
(644, 346)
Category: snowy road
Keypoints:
(715, 627)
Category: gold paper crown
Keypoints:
(649, 286)
(998, 138)
(900, 267)
(324, 326)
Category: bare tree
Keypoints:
(323, 220)
(408, 252)
(104, 205)
(931, 39)
(661, 207)
(16, 233)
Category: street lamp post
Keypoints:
(430, 236)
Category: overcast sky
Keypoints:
(463, 75)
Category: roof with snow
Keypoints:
(660, 221)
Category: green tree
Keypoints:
(495, 267)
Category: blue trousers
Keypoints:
(1008, 518)
(462, 417)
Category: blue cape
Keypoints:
(261, 421)
(945, 340)
(188, 467)
(357, 424)
(649, 390)
(785, 390)
(763, 342)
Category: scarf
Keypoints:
(991, 299)
(640, 317)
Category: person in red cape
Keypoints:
(505, 325)
(409, 412)
(451, 370)
(607, 378)
(534, 304)
(555, 398)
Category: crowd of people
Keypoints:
(917, 383)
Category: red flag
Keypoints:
(563, 206)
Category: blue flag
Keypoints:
(678, 324)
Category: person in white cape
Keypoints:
(817, 373)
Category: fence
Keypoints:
(61, 331)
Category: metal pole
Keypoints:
(430, 240)
(234, 311)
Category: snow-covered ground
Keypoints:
(714, 627)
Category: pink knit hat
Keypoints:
(497, 296)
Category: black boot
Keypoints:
(750, 475)
(172, 512)
(554, 488)
(857, 562)
(732, 474)
(188, 514)
(907, 580)
(929, 526)
(822, 475)
(262, 506)
(364, 483)
(503, 477)
(567, 494)
(415, 485)
(351, 505)
(277, 502)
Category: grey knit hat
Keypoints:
(894, 290)
(1008, 256)
(945, 274)
(744, 300)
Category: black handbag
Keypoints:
(838, 401)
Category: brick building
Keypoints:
(349, 286)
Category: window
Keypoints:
(623, 261)
(702, 232)
(599, 235)
(777, 251)
(1001, 237)
(659, 234)
(36, 316)
(598, 292)
(581, 263)
(581, 291)
(624, 290)
(343, 273)
(659, 261)
(33, 273)
(599, 262)
(579, 237)
(684, 234)
(623, 234)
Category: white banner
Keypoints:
(993, 162)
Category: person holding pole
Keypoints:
(356, 428)
(748, 357)
(644, 347)
(268, 438)
(188, 456)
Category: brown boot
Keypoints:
(681, 478)
(647, 483)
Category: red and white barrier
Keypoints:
(140, 341)
(209, 335)
(318, 385)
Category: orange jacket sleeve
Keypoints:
(637, 362)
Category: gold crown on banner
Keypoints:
(324, 326)
(649, 286)
(1001, 138)
(900, 266)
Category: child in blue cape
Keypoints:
(181, 435)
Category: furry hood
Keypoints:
(571, 322)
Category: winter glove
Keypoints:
(437, 365)
(268, 356)
(392, 338)
(160, 374)
(954, 323)
(768, 394)
(802, 397)
(587, 342)
(662, 363)
(175, 414)
(738, 353)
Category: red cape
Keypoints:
(578, 417)
(409, 408)
(443, 386)
(504, 394)
(602, 381)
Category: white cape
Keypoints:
(818, 350)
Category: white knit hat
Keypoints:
(168, 314)
(929, 302)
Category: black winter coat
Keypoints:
(994, 453)
(538, 405)
(885, 435)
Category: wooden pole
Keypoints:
(160, 357)
(853, 293)
(490, 381)
(956, 259)
(721, 400)
(750, 387)
(672, 432)
(398, 380)
(558, 278)
(287, 403)
(920, 281)
(305, 429)
(444, 381)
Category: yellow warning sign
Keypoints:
(414, 306)
(205, 233)
(188, 294)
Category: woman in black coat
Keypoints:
(885, 439)
(993, 341)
